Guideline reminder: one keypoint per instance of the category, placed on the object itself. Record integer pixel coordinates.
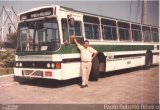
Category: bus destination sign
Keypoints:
(37, 14)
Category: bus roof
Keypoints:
(85, 13)
(37, 8)
(70, 9)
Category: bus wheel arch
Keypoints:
(98, 65)
(148, 59)
(102, 62)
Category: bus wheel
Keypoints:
(94, 75)
(148, 60)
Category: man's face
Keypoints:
(86, 44)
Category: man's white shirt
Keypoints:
(86, 53)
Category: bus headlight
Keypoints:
(20, 64)
(17, 64)
(52, 65)
(48, 65)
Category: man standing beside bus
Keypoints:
(87, 55)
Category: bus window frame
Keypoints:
(99, 33)
(144, 28)
(102, 26)
(134, 28)
(140, 36)
(68, 37)
(152, 36)
(109, 23)
(96, 22)
(124, 28)
(155, 30)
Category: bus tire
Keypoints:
(148, 60)
(94, 75)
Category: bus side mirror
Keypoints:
(71, 22)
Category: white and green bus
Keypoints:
(45, 50)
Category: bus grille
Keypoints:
(32, 73)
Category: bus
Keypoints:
(45, 48)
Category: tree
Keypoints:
(12, 39)
(7, 59)
(1, 44)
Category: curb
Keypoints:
(6, 75)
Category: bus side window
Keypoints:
(65, 30)
(136, 35)
(109, 30)
(155, 37)
(124, 31)
(154, 33)
(91, 26)
(136, 32)
(146, 34)
(76, 30)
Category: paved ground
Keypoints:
(133, 86)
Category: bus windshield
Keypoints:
(40, 35)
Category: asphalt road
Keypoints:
(131, 86)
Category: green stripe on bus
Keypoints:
(72, 48)
(108, 48)
(113, 48)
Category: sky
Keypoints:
(115, 9)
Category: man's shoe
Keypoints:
(82, 86)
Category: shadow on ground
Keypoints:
(51, 83)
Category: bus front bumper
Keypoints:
(38, 73)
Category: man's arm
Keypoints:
(77, 43)
(94, 55)
(75, 40)
(95, 52)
